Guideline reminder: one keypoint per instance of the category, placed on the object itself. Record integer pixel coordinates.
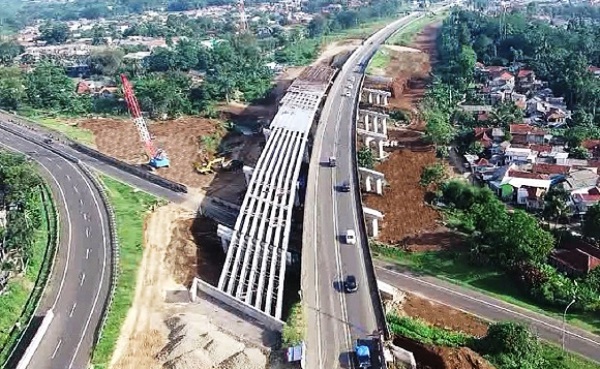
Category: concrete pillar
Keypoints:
(368, 183)
(379, 186)
(225, 244)
(368, 141)
(366, 121)
(374, 228)
(384, 125)
(267, 133)
(385, 101)
(380, 146)
(370, 97)
(248, 173)
(375, 123)
(378, 97)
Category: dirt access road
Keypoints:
(408, 220)
(163, 329)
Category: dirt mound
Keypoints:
(196, 343)
(438, 357)
(403, 201)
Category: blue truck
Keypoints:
(362, 350)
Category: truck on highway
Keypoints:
(362, 350)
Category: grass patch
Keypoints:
(20, 299)
(56, 123)
(379, 61)
(295, 326)
(453, 267)
(557, 358)
(406, 35)
(131, 207)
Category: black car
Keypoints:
(350, 284)
(345, 186)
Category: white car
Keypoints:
(350, 237)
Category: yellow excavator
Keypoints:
(209, 167)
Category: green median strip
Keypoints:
(131, 207)
(294, 329)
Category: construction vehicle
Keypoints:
(158, 157)
(208, 167)
(363, 353)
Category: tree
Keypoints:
(438, 129)
(317, 26)
(9, 50)
(12, 91)
(591, 222)
(164, 95)
(579, 152)
(106, 62)
(365, 158)
(433, 173)
(54, 33)
(511, 346)
(555, 203)
(48, 87)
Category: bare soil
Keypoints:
(408, 221)
(163, 329)
(442, 316)
(181, 139)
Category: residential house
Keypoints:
(594, 70)
(582, 201)
(593, 147)
(508, 180)
(525, 79)
(523, 134)
(555, 117)
(576, 258)
(531, 197)
(519, 155)
(581, 179)
(550, 169)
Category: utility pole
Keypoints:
(565, 315)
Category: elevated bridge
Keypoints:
(255, 264)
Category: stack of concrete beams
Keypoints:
(255, 265)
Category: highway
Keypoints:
(79, 283)
(335, 319)
(550, 329)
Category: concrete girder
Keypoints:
(379, 138)
(373, 216)
(248, 170)
(368, 176)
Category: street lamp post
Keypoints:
(565, 314)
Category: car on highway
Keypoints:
(346, 93)
(350, 284)
(332, 161)
(350, 237)
(352, 79)
(345, 186)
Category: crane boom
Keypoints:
(138, 119)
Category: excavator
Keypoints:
(208, 167)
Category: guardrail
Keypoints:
(379, 311)
(40, 285)
(63, 139)
(115, 251)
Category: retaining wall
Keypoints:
(264, 319)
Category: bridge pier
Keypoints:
(376, 97)
(373, 217)
(248, 173)
(225, 234)
(368, 176)
(379, 121)
(371, 137)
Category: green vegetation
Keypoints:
(131, 207)
(294, 329)
(74, 132)
(424, 333)
(21, 295)
(380, 60)
(406, 35)
(366, 159)
(506, 345)
(433, 173)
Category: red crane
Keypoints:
(158, 158)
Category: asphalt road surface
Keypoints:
(79, 283)
(489, 308)
(336, 319)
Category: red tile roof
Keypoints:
(590, 144)
(526, 175)
(505, 76)
(541, 148)
(594, 69)
(482, 161)
(543, 168)
(587, 197)
(524, 129)
(524, 73)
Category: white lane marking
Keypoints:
(72, 310)
(81, 202)
(102, 273)
(58, 165)
(68, 177)
(56, 349)
(84, 215)
(81, 279)
(87, 253)
(492, 305)
(75, 189)
(87, 232)
(69, 226)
